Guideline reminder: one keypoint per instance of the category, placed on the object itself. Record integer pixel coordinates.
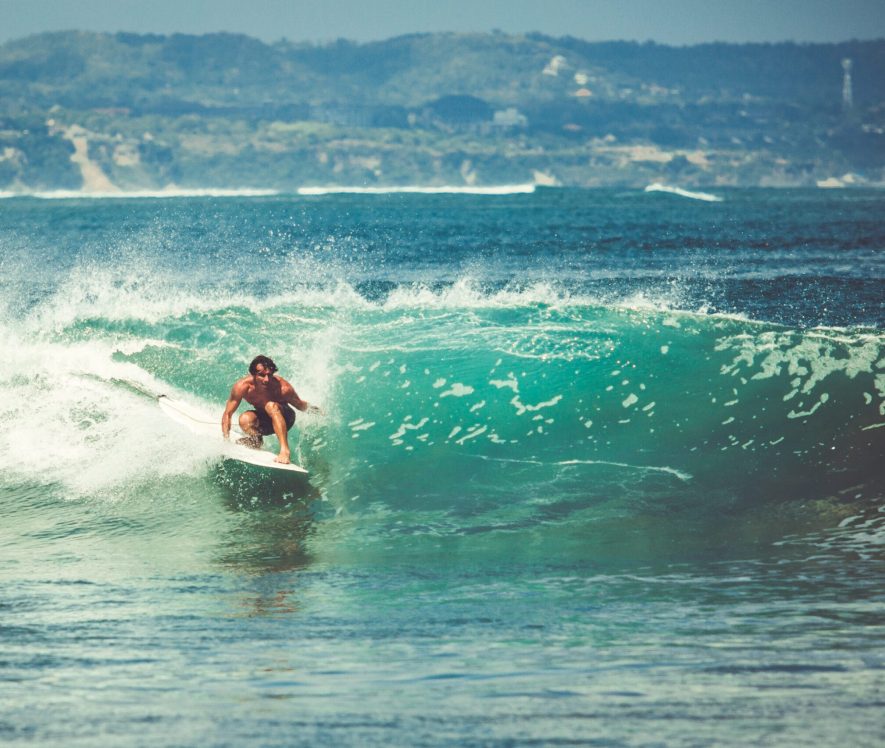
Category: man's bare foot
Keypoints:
(282, 458)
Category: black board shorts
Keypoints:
(265, 424)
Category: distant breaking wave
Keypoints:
(182, 192)
(705, 196)
(504, 189)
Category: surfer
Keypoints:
(271, 397)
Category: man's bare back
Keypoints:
(270, 396)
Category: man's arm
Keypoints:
(233, 402)
(299, 404)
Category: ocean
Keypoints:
(596, 467)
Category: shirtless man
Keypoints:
(270, 396)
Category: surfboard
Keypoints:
(198, 423)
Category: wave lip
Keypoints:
(705, 196)
(503, 189)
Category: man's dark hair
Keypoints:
(267, 362)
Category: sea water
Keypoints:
(595, 467)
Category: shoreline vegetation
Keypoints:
(118, 114)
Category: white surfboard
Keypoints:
(198, 423)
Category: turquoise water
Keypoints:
(596, 467)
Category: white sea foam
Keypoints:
(134, 290)
(465, 293)
(504, 189)
(136, 194)
(457, 390)
(680, 474)
(74, 422)
(109, 294)
(705, 196)
(808, 359)
(129, 294)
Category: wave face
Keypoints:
(481, 371)
(422, 383)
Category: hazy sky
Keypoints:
(664, 21)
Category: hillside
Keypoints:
(125, 111)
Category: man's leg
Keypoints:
(249, 425)
(280, 428)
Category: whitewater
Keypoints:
(594, 466)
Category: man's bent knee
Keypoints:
(249, 421)
(272, 408)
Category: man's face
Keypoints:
(262, 376)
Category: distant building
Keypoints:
(557, 62)
(510, 117)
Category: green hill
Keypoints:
(223, 110)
